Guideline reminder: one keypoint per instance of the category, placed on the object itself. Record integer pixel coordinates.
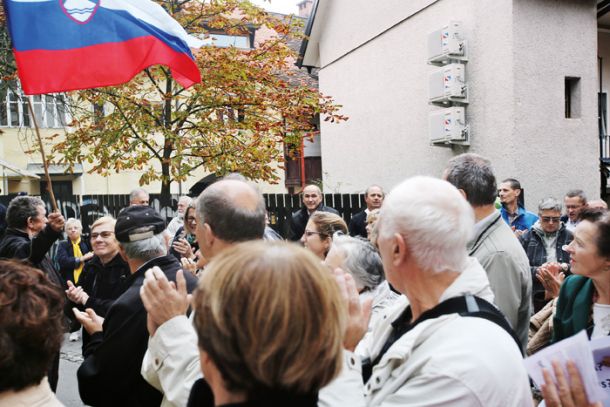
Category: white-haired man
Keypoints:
(423, 353)
(178, 221)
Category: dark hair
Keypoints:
(20, 209)
(473, 174)
(31, 325)
(573, 193)
(591, 214)
(229, 220)
(514, 184)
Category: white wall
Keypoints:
(519, 53)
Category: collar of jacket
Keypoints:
(485, 228)
(17, 232)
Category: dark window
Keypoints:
(572, 97)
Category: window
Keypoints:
(50, 110)
(224, 40)
(572, 97)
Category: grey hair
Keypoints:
(146, 249)
(229, 220)
(135, 192)
(20, 209)
(474, 175)
(434, 220)
(74, 221)
(549, 204)
(577, 193)
(361, 259)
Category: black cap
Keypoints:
(137, 223)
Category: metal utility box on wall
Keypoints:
(448, 126)
(446, 43)
(448, 84)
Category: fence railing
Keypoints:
(279, 207)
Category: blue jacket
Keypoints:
(523, 221)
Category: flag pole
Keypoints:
(44, 158)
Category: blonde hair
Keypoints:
(103, 220)
(328, 223)
(271, 318)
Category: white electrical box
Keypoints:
(448, 84)
(448, 126)
(447, 43)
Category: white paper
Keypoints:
(577, 349)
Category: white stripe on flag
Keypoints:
(153, 14)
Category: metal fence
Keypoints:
(279, 207)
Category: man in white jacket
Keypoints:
(418, 356)
(228, 212)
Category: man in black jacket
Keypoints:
(29, 236)
(312, 201)
(110, 373)
(374, 198)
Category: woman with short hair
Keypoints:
(270, 322)
(319, 232)
(73, 252)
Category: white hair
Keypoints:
(435, 220)
(146, 249)
(74, 221)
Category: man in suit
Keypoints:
(374, 198)
(312, 201)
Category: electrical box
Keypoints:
(448, 126)
(448, 84)
(447, 43)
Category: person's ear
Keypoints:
(461, 191)
(122, 252)
(208, 234)
(400, 250)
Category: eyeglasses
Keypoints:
(309, 233)
(104, 235)
(549, 219)
(191, 219)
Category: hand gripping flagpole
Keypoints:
(44, 158)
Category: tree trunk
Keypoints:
(166, 196)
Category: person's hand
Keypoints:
(519, 233)
(162, 299)
(551, 277)
(183, 247)
(188, 265)
(76, 294)
(566, 392)
(56, 221)
(89, 320)
(358, 315)
(86, 257)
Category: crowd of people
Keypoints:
(429, 296)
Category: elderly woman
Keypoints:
(319, 232)
(73, 252)
(371, 221)
(185, 244)
(279, 347)
(359, 257)
(31, 333)
(584, 297)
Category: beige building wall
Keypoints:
(373, 62)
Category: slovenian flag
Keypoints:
(63, 45)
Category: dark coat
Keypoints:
(299, 219)
(202, 396)
(110, 374)
(357, 225)
(533, 244)
(104, 283)
(66, 260)
(17, 245)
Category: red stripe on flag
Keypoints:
(44, 71)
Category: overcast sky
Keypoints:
(278, 6)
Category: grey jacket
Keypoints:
(507, 266)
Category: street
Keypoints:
(70, 360)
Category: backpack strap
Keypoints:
(466, 306)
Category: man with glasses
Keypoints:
(574, 201)
(543, 245)
(102, 280)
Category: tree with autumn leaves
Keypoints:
(248, 106)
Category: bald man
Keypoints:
(228, 212)
(312, 201)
